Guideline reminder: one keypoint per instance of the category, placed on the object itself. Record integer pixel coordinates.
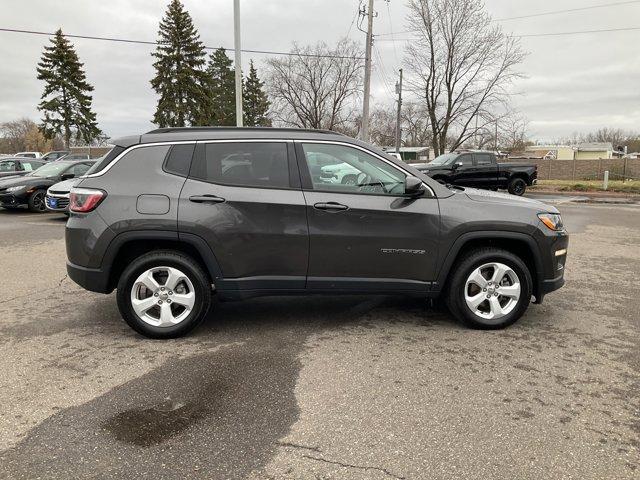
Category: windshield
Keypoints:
(444, 159)
(51, 169)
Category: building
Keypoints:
(411, 154)
(583, 151)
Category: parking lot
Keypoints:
(324, 387)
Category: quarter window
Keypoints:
(250, 164)
(179, 159)
(346, 169)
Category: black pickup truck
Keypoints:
(480, 170)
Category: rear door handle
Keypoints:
(331, 206)
(206, 199)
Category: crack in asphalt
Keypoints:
(358, 467)
(302, 447)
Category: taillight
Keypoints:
(83, 200)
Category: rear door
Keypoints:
(366, 236)
(244, 199)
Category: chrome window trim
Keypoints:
(131, 148)
(181, 142)
(373, 154)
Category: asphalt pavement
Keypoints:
(323, 387)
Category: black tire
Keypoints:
(167, 258)
(455, 296)
(36, 202)
(517, 186)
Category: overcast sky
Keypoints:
(574, 83)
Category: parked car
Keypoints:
(77, 156)
(55, 155)
(29, 154)
(18, 166)
(57, 197)
(480, 169)
(162, 220)
(29, 190)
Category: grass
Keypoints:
(629, 186)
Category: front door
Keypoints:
(244, 199)
(364, 234)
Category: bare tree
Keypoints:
(316, 87)
(23, 134)
(512, 134)
(463, 66)
(416, 131)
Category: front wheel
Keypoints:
(36, 202)
(490, 289)
(164, 294)
(517, 186)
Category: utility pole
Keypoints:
(496, 135)
(398, 120)
(238, 61)
(367, 73)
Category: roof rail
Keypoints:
(218, 129)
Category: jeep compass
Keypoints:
(175, 216)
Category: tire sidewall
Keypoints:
(512, 186)
(457, 301)
(196, 276)
(32, 197)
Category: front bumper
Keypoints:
(10, 200)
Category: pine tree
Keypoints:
(255, 103)
(180, 79)
(66, 99)
(221, 109)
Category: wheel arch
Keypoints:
(520, 244)
(130, 245)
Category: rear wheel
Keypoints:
(164, 294)
(517, 186)
(490, 289)
(36, 202)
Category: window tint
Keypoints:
(7, 166)
(79, 169)
(259, 164)
(350, 170)
(466, 160)
(483, 158)
(179, 159)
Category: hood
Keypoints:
(65, 186)
(488, 196)
(24, 180)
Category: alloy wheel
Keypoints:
(492, 291)
(162, 296)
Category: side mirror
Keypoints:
(67, 176)
(413, 186)
(456, 165)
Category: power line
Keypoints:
(549, 34)
(146, 42)
(569, 10)
(554, 12)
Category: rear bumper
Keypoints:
(93, 279)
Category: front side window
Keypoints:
(250, 164)
(350, 170)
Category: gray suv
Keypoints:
(175, 216)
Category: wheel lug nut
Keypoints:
(162, 288)
(496, 294)
(168, 300)
(159, 302)
(484, 289)
(488, 296)
(155, 294)
(170, 292)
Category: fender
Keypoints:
(202, 247)
(465, 238)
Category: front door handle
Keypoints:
(331, 206)
(206, 199)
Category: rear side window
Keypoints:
(179, 159)
(106, 160)
(465, 160)
(251, 164)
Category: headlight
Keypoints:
(553, 221)
(15, 189)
